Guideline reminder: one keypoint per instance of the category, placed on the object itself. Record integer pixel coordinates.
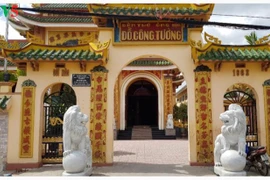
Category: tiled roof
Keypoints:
(235, 54)
(148, 11)
(151, 9)
(63, 6)
(10, 64)
(22, 43)
(150, 63)
(34, 52)
(59, 54)
(56, 19)
(18, 23)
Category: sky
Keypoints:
(226, 35)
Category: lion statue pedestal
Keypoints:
(229, 152)
(170, 131)
(77, 156)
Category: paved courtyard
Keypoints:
(141, 158)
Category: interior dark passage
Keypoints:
(142, 104)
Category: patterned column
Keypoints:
(266, 94)
(203, 114)
(27, 119)
(116, 104)
(168, 104)
(98, 113)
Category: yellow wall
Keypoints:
(43, 79)
(222, 80)
(180, 55)
(181, 97)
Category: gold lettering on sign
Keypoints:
(154, 31)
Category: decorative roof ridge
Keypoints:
(213, 44)
(23, 13)
(39, 18)
(154, 9)
(264, 40)
(193, 5)
(61, 6)
(212, 41)
(18, 23)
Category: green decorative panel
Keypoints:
(29, 83)
(99, 69)
(202, 68)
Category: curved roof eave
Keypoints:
(35, 23)
(17, 27)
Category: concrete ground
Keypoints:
(141, 158)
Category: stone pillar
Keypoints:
(98, 113)
(203, 112)
(27, 119)
(168, 107)
(3, 140)
(266, 95)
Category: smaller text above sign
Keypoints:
(81, 80)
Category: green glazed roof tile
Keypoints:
(9, 64)
(63, 6)
(150, 63)
(148, 11)
(235, 55)
(67, 54)
(57, 19)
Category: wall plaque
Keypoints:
(81, 80)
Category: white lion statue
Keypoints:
(169, 124)
(77, 156)
(233, 135)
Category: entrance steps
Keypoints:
(141, 133)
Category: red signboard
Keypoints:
(150, 31)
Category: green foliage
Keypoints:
(21, 72)
(180, 112)
(176, 113)
(13, 76)
(183, 112)
(252, 38)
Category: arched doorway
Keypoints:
(57, 99)
(142, 104)
(243, 95)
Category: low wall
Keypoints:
(3, 140)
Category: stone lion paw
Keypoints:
(223, 151)
(67, 153)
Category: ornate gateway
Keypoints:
(55, 106)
